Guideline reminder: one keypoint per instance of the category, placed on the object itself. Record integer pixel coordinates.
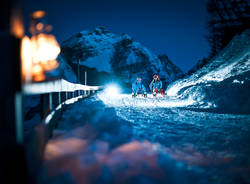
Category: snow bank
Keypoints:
(214, 85)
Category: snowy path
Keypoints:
(120, 139)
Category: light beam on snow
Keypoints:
(125, 100)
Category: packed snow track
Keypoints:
(120, 139)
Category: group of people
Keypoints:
(155, 87)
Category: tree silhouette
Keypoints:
(226, 18)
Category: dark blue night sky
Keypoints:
(173, 27)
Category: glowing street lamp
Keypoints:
(39, 52)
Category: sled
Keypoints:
(139, 95)
(158, 93)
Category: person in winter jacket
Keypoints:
(138, 88)
(156, 85)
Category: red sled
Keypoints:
(161, 91)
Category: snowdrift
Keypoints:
(223, 84)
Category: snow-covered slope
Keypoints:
(66, 71)
(224, 82)
(198, 65)
(119, 55)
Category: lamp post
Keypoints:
(78, 71)
(85, 78)
(39, 52)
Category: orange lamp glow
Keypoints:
(39, 52)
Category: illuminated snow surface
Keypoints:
(121, 139)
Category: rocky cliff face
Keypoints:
(118, 55)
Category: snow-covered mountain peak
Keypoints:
(117, 54)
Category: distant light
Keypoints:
(38, 14)
(112, 90)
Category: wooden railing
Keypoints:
(54, 97)
(56, 94)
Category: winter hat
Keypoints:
(138, 78)
(156, 76)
